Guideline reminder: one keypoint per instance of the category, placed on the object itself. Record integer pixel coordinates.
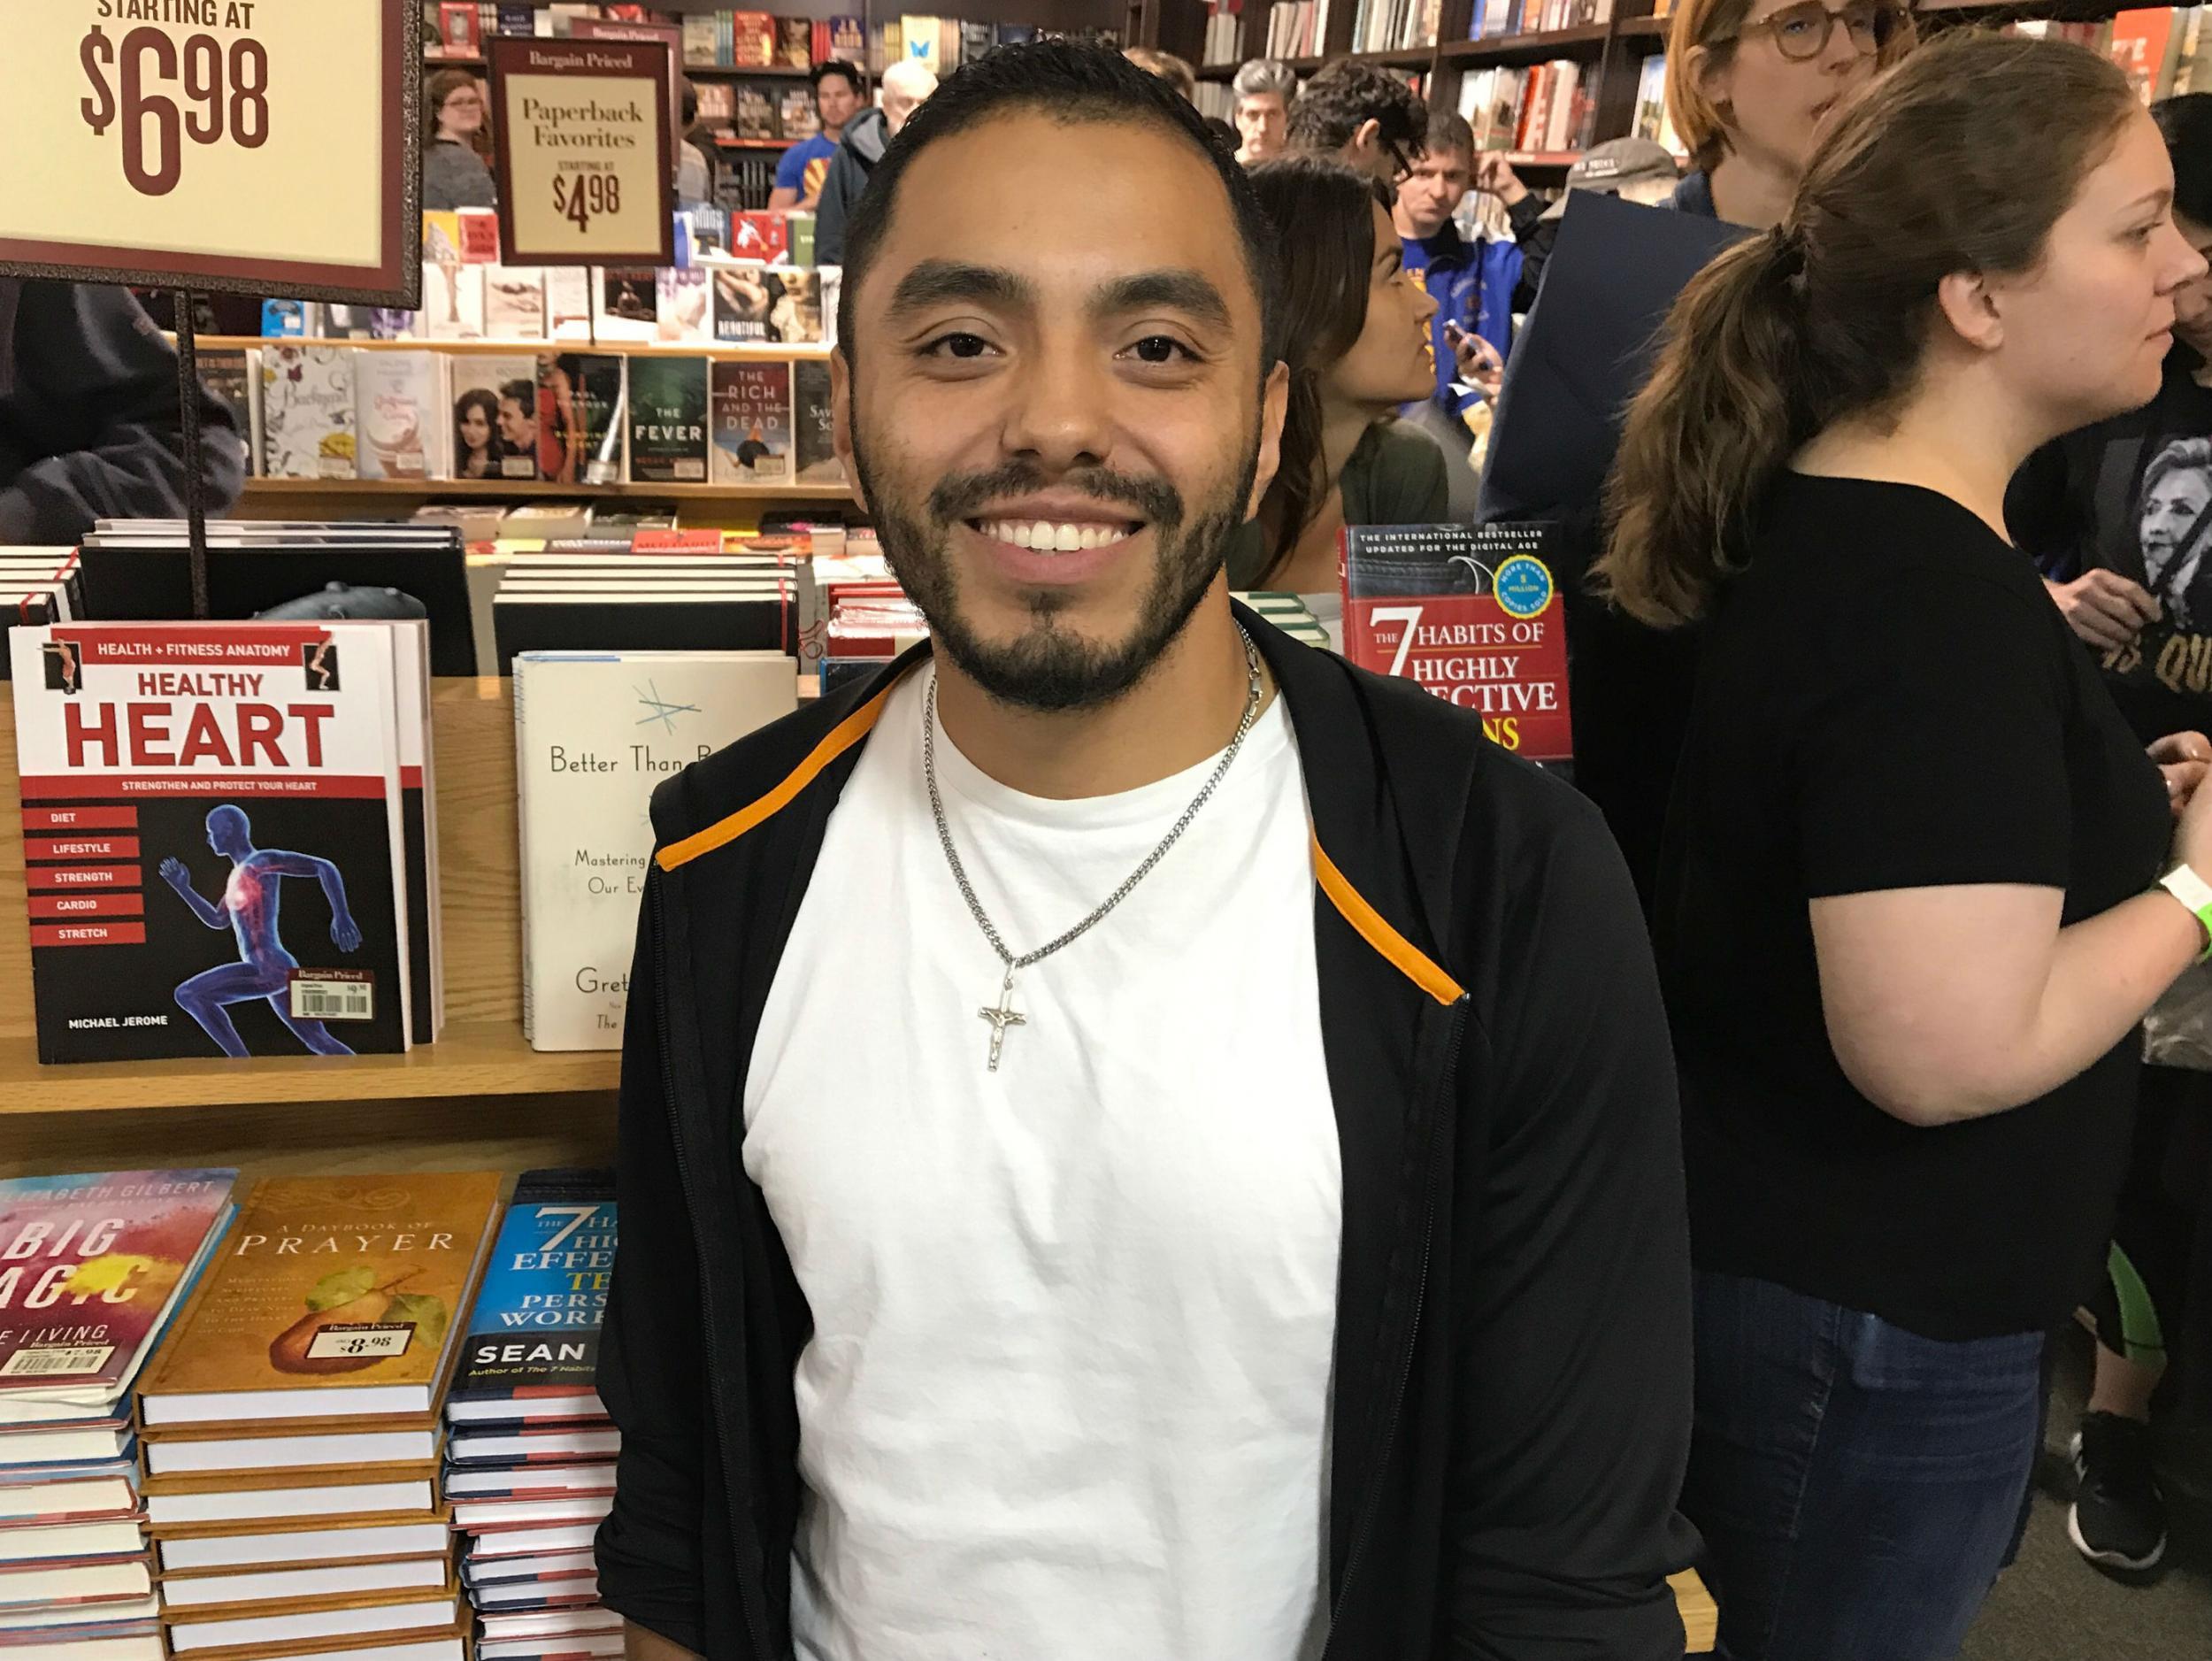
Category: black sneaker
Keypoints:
(2118, 1518)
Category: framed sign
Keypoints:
(248, 146)
(587, 153)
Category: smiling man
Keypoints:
(1137, 1139)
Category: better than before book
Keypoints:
(594, 733)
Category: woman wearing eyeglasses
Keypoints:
(1749, 84)
(453, 171)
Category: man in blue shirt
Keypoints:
(1471, 282)
(837, 94)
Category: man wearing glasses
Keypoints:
(1366, 117)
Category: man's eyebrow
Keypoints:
(941, 281)
(1184, 291)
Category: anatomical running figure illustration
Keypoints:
(248, 909)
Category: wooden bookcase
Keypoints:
(1617, 48)
(478, 1097)
(701, 504)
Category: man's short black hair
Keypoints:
(1344, 97)
(838, 66)
(1070, 81)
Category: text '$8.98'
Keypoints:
(225, 94)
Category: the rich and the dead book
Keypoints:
(752, 423)
(1471, 613)
(334, 1296)
(216, 840)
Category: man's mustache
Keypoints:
(963, 495)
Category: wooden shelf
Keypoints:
(1584, 41)
(472, 1060)
(1646, 28)
(1411, 57)
(432, 489)
(763, 352)
(723, 142)
(743, 72)
(1536, 161)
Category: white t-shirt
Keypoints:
(1067, 1393)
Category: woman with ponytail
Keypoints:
(1355, 331)
(1910, 911)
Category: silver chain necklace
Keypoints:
(1003, 1015)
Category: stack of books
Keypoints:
(291, 1431)
(530, 1455)
(640, 602)
(40, 585)
(92, 1270)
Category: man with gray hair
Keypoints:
(1265, 89)
(905, 85)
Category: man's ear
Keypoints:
(1972, 309)
(841, 421)
(1274, 403)
(1366, 138)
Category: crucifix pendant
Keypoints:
(1002, 1017)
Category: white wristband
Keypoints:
(2195, 893)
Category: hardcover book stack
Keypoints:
(41, 585)
(174, 776)
(619, 600)
(529, 1452)
(292, 1430)
(92, 1270)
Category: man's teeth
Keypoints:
(1046, 537)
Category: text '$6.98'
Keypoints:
(224, 94)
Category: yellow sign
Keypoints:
(267, 146)
(586, 170)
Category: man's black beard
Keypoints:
(1048, 669)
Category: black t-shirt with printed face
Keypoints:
(2134, 495)
(1887, 699)
(2164, 682)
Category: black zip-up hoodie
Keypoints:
(1511, 1401)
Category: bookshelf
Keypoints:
(478, 1096)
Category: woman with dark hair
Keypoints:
(453, 153)
(1910, 910)
(477, 451)
(2116, 516)
(1356, 329)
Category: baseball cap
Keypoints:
(1616, 166)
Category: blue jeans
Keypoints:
(1858, 1487)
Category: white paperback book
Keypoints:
(594, 733)
(401, 415)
